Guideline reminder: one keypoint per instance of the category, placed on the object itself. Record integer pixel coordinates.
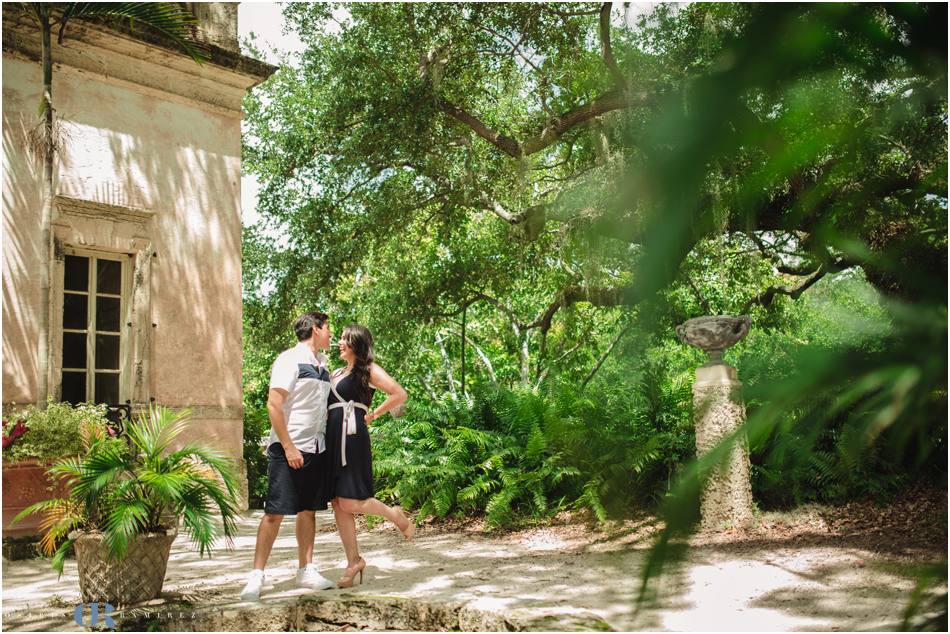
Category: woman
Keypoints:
(349, 478)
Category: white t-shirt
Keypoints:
(307, 381)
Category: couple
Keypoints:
(314, 458)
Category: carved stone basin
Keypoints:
(714, 334)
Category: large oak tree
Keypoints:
(495, 164)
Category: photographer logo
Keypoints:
(80, 610)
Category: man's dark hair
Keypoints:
(303, 325)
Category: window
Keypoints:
(100, 303)
(95, 333)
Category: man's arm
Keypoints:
(278, 422)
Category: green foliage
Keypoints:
(490, 456)
(730, 186)
(123, 487)
(257, 367)
(52, 433)
(927, 612)
(515, 451)
(835, 466)
(168, 17)
(256, 426)
(787, 161)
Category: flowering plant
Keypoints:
(51, 433)
(16, 430)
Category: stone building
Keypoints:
(145, 248)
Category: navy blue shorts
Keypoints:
(290, 491)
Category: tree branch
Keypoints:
(569, 14)
(605, 49)
(515, 46)
(496, 207)
(605, 355)
(481, 355)
(547, 368)
(765, 298)
(448, 365)
(504, 143)
(699, 296)
(428, 388)
(497, 304)
(629, 295)
(607, 102)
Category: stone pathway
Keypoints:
(541, 580)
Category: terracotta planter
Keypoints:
(24, 484)
(138, 578)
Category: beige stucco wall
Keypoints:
(22, 200)
(143, 129)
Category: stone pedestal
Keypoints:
(718, 412)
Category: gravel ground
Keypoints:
(817, 569)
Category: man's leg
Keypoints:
(266, 536)
(306, 530)
(307, 575)
(308, 499)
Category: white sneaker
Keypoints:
(252, 591)
(308, 577)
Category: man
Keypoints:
(297, 405)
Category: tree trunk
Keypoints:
(428, 388)
(448, 365)
(42, 359)
(524, 353)
(605, 355)
(464, 311)
(481, 356)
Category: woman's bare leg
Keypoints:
(372, 506)
(346, 526)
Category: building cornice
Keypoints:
(142, 62)
(93, 209)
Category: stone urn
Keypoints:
(719, 415)
(714, 334)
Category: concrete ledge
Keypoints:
(13, 551)
(306, 614)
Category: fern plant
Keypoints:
(491, 457)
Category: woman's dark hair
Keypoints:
(360, 340)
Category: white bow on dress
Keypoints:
(349, 420)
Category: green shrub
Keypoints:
(490, 456)
(507, 452)
(52, 433)
(256, 426)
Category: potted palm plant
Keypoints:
(127, 497)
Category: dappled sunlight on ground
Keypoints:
(797, 571)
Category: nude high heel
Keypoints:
(411, 529)
(347, 582)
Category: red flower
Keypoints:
(18, 430)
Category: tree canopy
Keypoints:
(555, 183)
(515, 166)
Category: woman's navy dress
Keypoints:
(355, 480)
